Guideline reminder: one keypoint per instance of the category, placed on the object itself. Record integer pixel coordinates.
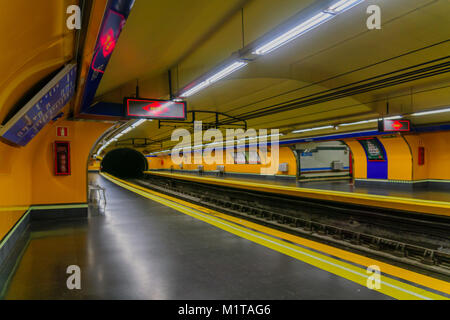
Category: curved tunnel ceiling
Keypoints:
(43, 45)
(342, 50)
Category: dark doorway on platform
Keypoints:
(124, 163)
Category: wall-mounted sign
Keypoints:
(42, 108)
(116, 14)
(154, 109)
(62, 131)
(386, 125)
(373, 149)
(421, 157)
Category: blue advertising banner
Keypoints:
(42, 108)
(116, 13)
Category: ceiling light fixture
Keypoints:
(307, 25)
(358, 122)
(312, 129)
(138, 123)
(368, 121)
(392, 118)
(214, 78)
(343, 5)
(424, 113)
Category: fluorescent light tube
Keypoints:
(307, 25)
(312, 129)
(194, 89)
(358, 122)
(214, 78)
(423, 113)
(138, 123)
(343, 5)
(294, 33)
(392, 118)
(226, 71)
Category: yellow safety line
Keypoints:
(418, 205)
(389, 286)
(418, 278)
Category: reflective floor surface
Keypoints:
(140, 249)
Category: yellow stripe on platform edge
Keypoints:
(409, 204)
(389, 286)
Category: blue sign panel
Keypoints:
(377, 165)
(44, 106)
(116, 13)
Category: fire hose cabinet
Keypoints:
(61, 155)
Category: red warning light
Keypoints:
(397, 125)
(108, 42)
(154, 109)
(394, 125)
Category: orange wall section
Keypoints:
(398, 155)
(285, 155)
(94, 165)
(359, 158)
(437, 147)
(26, 173)
(420, 172)
(8, 219)
(402, 154)
(437, 155)
(399, 158)
(50, 189)
(14, 168)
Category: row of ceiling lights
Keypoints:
(229, 143)
(303, 27)
(119, 135)
(421, 113)
(416, 114)
(139, 122)
(293, 33)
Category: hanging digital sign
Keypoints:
(116, 14)
(42, 108)
(392, 125)
(154, 109)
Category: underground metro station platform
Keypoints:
(216, 151)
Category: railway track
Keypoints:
(419, 241)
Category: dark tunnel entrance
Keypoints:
(124, 163)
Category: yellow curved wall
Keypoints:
(398, 155)
(285, 154)
(94, 165)
(359, 158)
(51, 189)
(399, 158)
(437, 155)
(26, 173)
(41, 44)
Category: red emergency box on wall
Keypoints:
(421, 158)
(61, 155)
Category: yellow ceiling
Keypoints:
(192, 37)
(342, 49)
(159, 33)
(35, 43)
